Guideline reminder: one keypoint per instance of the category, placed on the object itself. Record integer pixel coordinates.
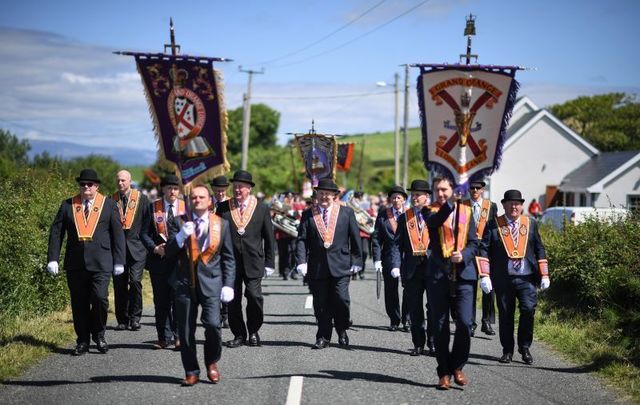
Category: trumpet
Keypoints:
(365, 222)
(281, 219)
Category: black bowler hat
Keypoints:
(170, 180)
(477, 183)
(397, 190)
(327, 184)
(420, 185)
(513, 195)
(243, 176)
(220, 181)
(88, 175)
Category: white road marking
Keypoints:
(308, 304)
(294, 396)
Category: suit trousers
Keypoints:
(186, 314)
(524, 289)
(488, 306)
(164, 305)
(286, 255)
(255, 304)
(127, 292)
(331, 304)
(89, 303)
(391, 298)
(441, 303)
(416, 288)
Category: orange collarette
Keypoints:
(326, 233)
(447, 238)
(514, 252)
(215, 235)
(242, 221)
(419, 239)
(160, 217)
(85, 227)
(127, 220)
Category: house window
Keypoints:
(633, 202)
(583, 200)
(570, 199)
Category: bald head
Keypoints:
(123, 180)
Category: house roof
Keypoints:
(599, 170)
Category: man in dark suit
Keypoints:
(95, 248)
(163, 211)
(327, 245)
(410, 260)
(134, 217)
(384, 239)
(484, 212)
(254, 250)
(518, 264)
(451, 279)
(219, 186)
(205, 276)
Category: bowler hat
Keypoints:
(477, 183)
(327, 184)
(513, 195)
(420, 185)
(88, 175)
(243, 176)
(220, 181)
(170, 180)
(397, 190)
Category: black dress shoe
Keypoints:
(320, 344)
(343, 339)
(393, 328)
(225, 324)
(506, 358)
(120, 326)
(406, 328)
(235, 342)
(417, 351)
(254, 339)
(473, 329)
(487, 329)
(135, 325)
(103, 347)
(81, 348)
(431, 351)
(526, 356)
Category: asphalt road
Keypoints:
(375, 369)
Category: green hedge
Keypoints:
(30, 200)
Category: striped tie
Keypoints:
(325, 217)
(517, 263)
(86, 209)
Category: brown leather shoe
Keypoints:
(160, 344)
(178, 345)
(444, 383)
(213, 373)
(459, 377)
(190, 380)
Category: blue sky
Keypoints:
(60, 81)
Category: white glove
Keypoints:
(544, 283)
(355, 269)
(118, 269)
(226, 295)
(485, 284)
(378, 266)
(52, 268)
(395, 272)
(188, 229)
(268, 271)
(302, 269)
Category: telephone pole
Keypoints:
(396, 129)
(246, 116)
(405, 131)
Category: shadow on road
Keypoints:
(350, 375)
(100, 379)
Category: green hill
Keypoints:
(379, 146)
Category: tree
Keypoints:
(262, 130)
(13, 149)
(609, 121)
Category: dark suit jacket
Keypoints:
(383, 240)
(221, 266)
(498, 256)
(256, 248)
(150, 240)
(493, 213)
(106, 249)
(402, 254)
(438, 266)
(337, 260)
(136, 247)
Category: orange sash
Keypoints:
(392, 220)
(514, 252)
(419, 240)
(447, 238)
(484, 215)
(127, 219)
(159, 217)
(242, 221)
(326, 233)
(215, 234)
(85, 227)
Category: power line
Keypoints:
(324, 37)
(322, 97)
(352, 40)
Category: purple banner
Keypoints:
(185, 99)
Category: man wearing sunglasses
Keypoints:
(95, 248)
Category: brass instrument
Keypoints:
(365, 222)
(281, 218)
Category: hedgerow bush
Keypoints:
(30, 200)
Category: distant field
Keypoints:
(379, 146)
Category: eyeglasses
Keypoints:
(87, 184)
(475, 188)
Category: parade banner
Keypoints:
(464, 112)
(185, 97)
(345, 155)
(319, 154)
